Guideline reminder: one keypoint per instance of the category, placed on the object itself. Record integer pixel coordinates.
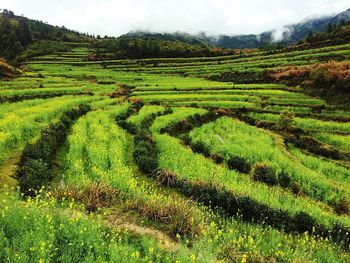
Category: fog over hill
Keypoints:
(289, 34)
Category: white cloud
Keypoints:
(115, 17)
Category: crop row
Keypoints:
(98, 158)
(231, 138)
(23, 121)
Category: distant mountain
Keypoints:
(290, 34)
(301, 30)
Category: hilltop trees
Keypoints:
(13, 36)
(144, 47)
(18, 33)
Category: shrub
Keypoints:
(168, 110)
(330, 75)
(199, 147)
(147, 122)
(319, 148)
(190, 122)
(36, 163)
(264, 173)
(186, 139)
(341, 207)
(130, 127)
(238, 163)
(145, 153)
(284, 180)
(33, 174)
(145, 156)
(296, 188)
(6, 70)
(93, 196)
(137, 104)
(304, 222)
(124, 115)
(286, 120)
(217, 158)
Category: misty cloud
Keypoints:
(115, 17)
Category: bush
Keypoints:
(284, 180)
(296, 188)
(199, 147)
(217, 158)
(186, 139)
(147, 122)
(124, 115)
(129, 127)
(190, 122)
(304, 222)
(286, 120)
(33, 174)
(145, 156)
(238, 163)
(168, 110)
(319, 148)
(145, 153)
(341, 207)
(264, 173)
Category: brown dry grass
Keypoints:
(331, 74)
(95, 196)
(6, 70)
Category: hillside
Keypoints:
(315, 25)
(291, 33)
(154, 148)
(18, 34)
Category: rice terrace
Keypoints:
(174, 147)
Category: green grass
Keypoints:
(23, 121)
(308, 123)
(341, 142)
(196, 168)
(230, 137)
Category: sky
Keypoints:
(214, 17)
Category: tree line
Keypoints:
(144, 47)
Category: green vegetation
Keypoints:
(19, 34)
(148, 47)
(165, 162)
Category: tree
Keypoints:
(23, 32)
(286, 120)
(8, 13)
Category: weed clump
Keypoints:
(166, 178)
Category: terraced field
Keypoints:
(149, 161)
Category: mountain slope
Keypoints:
(303, 29)
(291, 34)
(17, 33)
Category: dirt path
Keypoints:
(117, 218)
